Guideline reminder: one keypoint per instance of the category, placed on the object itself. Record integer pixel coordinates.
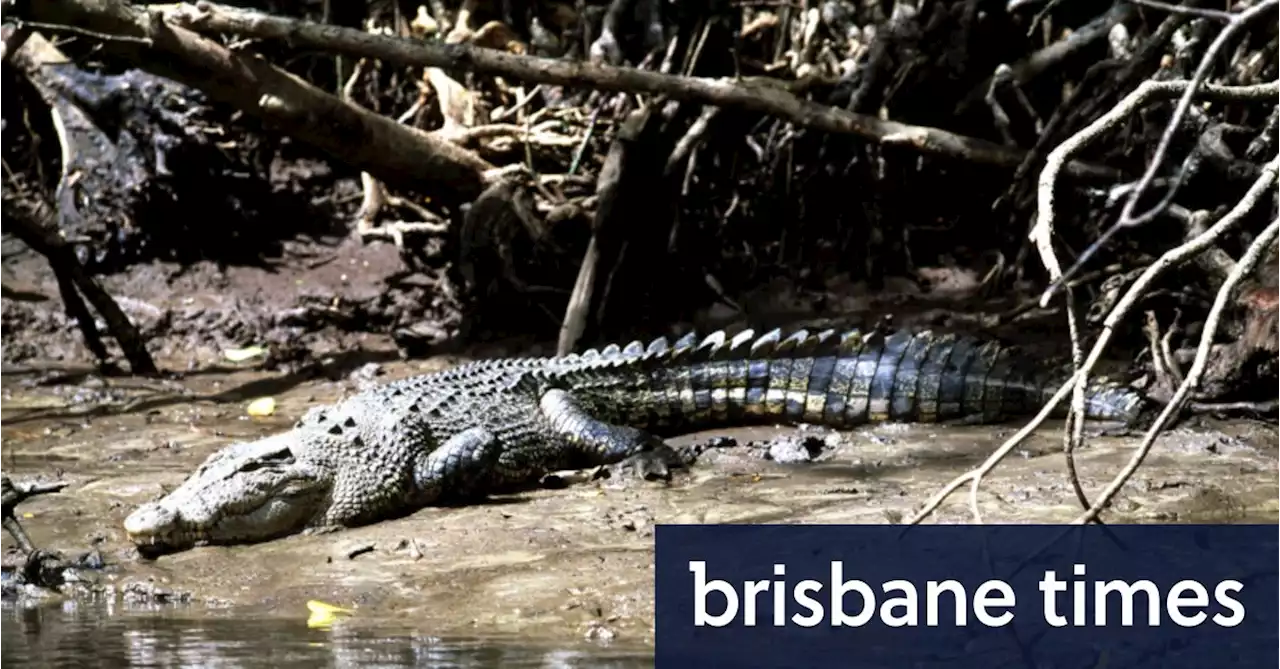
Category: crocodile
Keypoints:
(484, 426)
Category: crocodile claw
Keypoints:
(651, 465)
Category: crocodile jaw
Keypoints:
(251, 491)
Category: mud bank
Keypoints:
(567, 564)
(552, 566)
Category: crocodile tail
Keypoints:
(843, 379)
(1107, 401)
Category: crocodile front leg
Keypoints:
(462, 466)
(595, 443)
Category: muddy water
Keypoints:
(99, 634)
(536, 578)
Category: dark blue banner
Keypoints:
(1167, 596)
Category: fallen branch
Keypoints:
(762, 95)
(1053, 55)
(355, 136)
(11, 495)
(1207, 60)
(36, 234)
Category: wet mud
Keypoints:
(571, 564)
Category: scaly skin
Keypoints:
(483, 426)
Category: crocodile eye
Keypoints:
(281, 457)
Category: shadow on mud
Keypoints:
(332, 368)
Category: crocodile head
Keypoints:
(246, 492)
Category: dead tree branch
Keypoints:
(1243, 269)
(352, 135)
(616, 174)
(760, 95)
(11, 495)
(1055, 54)
(1042, 233)
(1171, 258)
(1189, 89)
(33, 226)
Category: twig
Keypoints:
(691, 137)
(373, 195)
(575, 314)
(11, 495)
(1042, 232)
(1170, 259)
(761, 94)
(1243, 268)
(586, 141)
(1164, 366)
(1189, 11)
(1057, 53)
(1159, 367)
(74, 30)
(1263, 407)
(1166, 348)
(520, 104)
(1031, 304)
(1073, 433)
(993, 460)
(1189, 89)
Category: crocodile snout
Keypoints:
(149, 521)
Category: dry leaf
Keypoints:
(242, 354)
(263, 406)
(323, 615)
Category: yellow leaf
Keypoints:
(28, 514)
(263, 406)
(322, 614)
(242, 354)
